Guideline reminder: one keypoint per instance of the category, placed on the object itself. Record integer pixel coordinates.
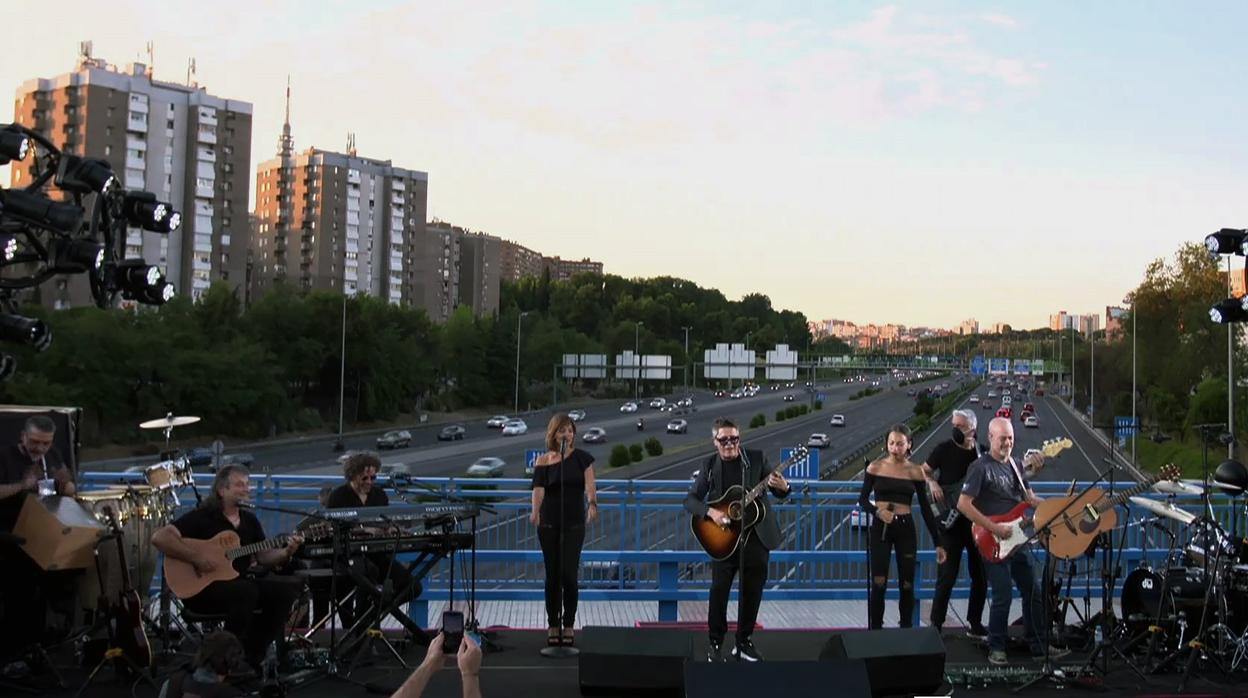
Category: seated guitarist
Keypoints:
(719, 473)
(237, 599)
(994, 485)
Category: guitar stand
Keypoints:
(114, 654)
(36, 651)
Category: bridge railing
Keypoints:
(641, 548)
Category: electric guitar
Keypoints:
(1091, 514)
(995, 549)
(946, 512)
(125, 622)
(720, 542)
(185, 581)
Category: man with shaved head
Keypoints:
(995, 484)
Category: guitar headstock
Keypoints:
(1170, 472)
(1052, 447)
(320, 529)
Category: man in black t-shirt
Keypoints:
(946, 469)
(256, 605)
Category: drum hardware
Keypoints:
(167, 423)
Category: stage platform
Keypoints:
(518, 669)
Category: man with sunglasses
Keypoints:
(728, 467)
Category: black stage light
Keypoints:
(1226, 241)
(25, 330)
(85, 175)
(14, 145)
(8, 247)
(144, 211)
(8, 366)
(1229, 310)
(159, 294)
(40, 210)
(75, 256)
(135, 276)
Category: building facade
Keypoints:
(189, 148)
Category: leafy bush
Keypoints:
(653, 447)
(803, 409)
(635, 452)
(818, 404)
(780, 416)
(619, 456)
(758, 420)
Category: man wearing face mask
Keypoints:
(719, 473)
(946, 469)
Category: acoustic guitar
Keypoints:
(995, 549)
(946, 510)
(125, 614)
(720, 542)
(185, 581)
(1091, 514)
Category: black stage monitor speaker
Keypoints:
(900, 661)
(633, 661)
(837, 677)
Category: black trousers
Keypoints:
(239, 599)
(753, 577)
(23, 607)
(561, 572)
(954, 540)
(900, 536)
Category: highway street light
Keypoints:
(516, 402)
(637, 358)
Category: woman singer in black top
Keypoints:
(564, 500)
(895, 481)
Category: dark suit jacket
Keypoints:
(708, 486)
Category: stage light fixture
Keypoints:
(75, 256)
(1226, 241)
(85, 175)
(24, 330)
(40, 210)
(14, 145)
(8, 366)
(144, 211)
(1229, 310)
(159, 294)
(8, 247)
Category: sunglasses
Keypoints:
(727, 440)
(368, 477)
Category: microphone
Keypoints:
(248, 504)
(563, 445)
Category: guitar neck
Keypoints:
(244, 551)
(1117, 499)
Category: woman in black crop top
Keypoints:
(895, 480)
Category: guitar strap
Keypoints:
(1019, 476)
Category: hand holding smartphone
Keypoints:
(452, 631)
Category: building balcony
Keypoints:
(136, 123)
(207, 134)
(207, 116)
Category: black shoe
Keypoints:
(977, 632)
(744, 652)
(714, 651)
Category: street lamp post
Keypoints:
(688, 363)
(342, 374)
(516, 403)
(1134, 424)
(637, 358)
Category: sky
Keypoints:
(915, 163)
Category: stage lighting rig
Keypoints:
(39, 210)
(144, 211)
(1229, 310)
(77, 256)
(85, 175)
(1226, 241)
(14, 145)
(24, 330)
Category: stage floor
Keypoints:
(519, 670)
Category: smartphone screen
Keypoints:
(452, 631)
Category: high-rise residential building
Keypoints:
(339, 221)
(968, 327)
(479, 278)
(564, 269)
(1059, 321)
(517, 261)
(1238, 282)
(436, 267)
(187, 147)
(1088, 324)
(1113, 322)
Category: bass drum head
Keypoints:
(1141, 598)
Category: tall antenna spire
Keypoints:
(286, 144)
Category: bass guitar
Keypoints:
(720, 542)
(1074, 522)
(125, 622)
(185, 581)
(946, 511)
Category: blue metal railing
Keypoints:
(641, 549)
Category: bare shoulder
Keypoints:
(914, 471)
(874, 466)
(547, 458)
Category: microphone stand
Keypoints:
(745, 488)
(560, 651)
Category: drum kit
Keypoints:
(1197, 599)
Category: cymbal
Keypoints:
(1227, 487)
(1165, 509)
(1178, 487)
(167, 422)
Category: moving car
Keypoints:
(720, 393)
(974, 398)
(515, 427)
(394, 439)
(488, 466)
(992, 393)
(788, 398)
(1028, 407)
(678, 426)
(986, 405)
(497, 421)
(685, 402)
(818, 441)
(576, 415)
(838, 420)
(658, 403)
(628, 407)
(390, 470)
(1005, 412)
(595, 435)
(1031, 421)
(453, 432)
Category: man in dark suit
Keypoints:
(731, 465)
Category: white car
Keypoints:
(489, 466)
(838, 420)
(515, 427)
(1006, 400)
(818, 441)
(595, 435)
(657, 403)
(992, 393)
(685, 402)
(678, 426)
(628, 407)
(1031, 421)
(497, 421)
(974, 398)
(576, 415)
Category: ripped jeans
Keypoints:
(898, 535)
